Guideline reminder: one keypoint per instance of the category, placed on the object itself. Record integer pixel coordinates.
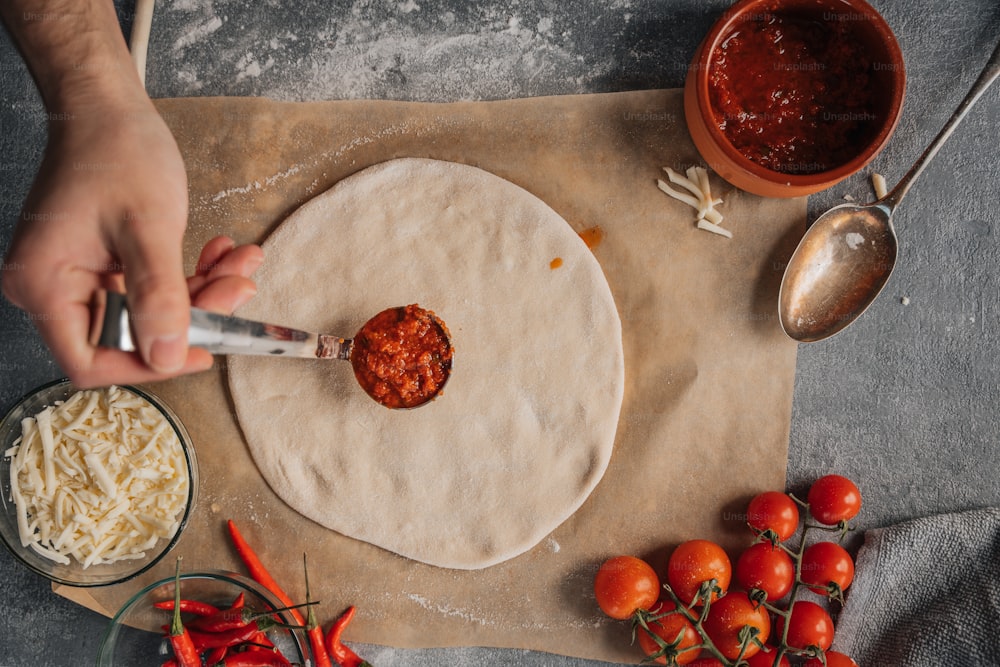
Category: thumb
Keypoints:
(157, 293)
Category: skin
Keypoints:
(108, 207)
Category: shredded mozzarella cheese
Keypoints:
(698, 196)
(878, 184)
(100, 477)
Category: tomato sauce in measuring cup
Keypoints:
(402, 357)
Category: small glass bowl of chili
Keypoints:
(135, 635)
(785, 98)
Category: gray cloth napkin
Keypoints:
(926, 593)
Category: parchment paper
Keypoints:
(709, 375)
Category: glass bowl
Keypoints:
(885, 77)
(73, 573)
(135, 635)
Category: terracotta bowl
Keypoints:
(884, 80)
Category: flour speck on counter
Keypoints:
(415, 51)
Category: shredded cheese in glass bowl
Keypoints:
(97, 485)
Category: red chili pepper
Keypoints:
(313, 630)
(193, 607)
(258, 572)
(230, 619)
(320, 655)
(216, 655)
(180, 638)
(262, 639)
(235, 636)
(209, 640)
(239, 602)
(256, 657)
(344, 656)
(227, 619)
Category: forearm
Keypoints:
(75, 50)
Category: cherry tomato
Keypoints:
(808, 625)
(728, 616)
(766, 567)
(625, 584)
(775, 511)
(763, 659)
(833, 659)
(695, 562)
(826, 563)
(669, 628)
(833, 499)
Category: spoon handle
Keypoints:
(986, 78)
(221, 334)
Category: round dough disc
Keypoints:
(525, 426)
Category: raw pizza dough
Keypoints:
(525, 427)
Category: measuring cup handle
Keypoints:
(219, 334)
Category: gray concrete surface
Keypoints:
(904, 401)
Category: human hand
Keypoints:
(108, 210)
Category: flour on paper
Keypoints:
(524, 430)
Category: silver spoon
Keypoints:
(844, 260)
(222, 334)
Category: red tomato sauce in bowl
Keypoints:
(785, 98)
(794, 92)
(402, 357)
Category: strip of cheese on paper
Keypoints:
(698, 196)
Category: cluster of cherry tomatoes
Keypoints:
(697, 618)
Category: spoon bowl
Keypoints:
(837, 271)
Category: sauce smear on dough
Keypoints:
(402, 356)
